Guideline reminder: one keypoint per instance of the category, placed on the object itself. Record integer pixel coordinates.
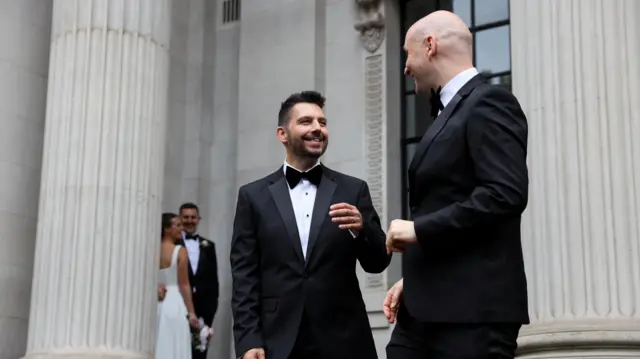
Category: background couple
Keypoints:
(187, 287)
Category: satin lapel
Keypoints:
(441, 121)
(324, 195)
(280, 193)
(433, 132)
(191, 274)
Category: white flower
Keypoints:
(204, 244)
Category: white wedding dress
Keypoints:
(174, 336)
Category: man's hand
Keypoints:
(257, 353)
(392, 301)
(347, 215)
(162, 290)
(400, 234)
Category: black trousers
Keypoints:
(305, 346)
(196, 354)
(412, 339)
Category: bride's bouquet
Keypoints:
(200, 336)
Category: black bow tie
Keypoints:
(191, 236)
(294, 176)
(436, 104)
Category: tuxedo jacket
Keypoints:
(204, 282)
(273, 284)
(468, 186)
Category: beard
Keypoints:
(299, 146)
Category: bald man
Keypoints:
(466, 290)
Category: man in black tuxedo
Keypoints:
(296, 237)
(465, 290)
(203, 268)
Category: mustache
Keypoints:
(313, 137)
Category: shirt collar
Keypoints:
(286, 164)
(184, 235)
(455, 84)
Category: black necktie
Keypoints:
(191, 236)
(294, 176)
(436, 104)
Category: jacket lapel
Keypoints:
(440, 121)
(191, 274)
(280, 192)
(324, 195)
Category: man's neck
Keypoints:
(450, 73)
(301, 164)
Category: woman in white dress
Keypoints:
(175, 311)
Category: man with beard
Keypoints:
(465, 290)
(203, 269)
(297, 236)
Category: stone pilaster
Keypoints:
(24, 57)
(94, 279)
(576, 72)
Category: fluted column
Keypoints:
(576, 71)
(98, 232)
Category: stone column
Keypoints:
(576, 72)
(94, 283)
(25, 29)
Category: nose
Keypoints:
(406, 71)
(315, 126)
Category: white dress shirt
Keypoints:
(303, 198)
(193, 249)
(455, 84)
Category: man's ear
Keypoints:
(281, 134)
(431, 45)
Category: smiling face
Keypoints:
(419, 65)
(305, 135)
(176, 228)
(190, 219)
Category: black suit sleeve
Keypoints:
(497, 143)
(245, 272)
(372, 250)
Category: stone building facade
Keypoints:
(115, 110)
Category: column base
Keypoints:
(72, 353)
(602, 339)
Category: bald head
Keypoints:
(438, 47)
(451, 33)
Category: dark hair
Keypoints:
(300, 97)
(166, 222)
(189, 205)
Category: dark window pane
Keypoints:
(487, 11)
(493, 50)
(410, 151)
(410, 113)
(462, 8)
(503, 80)
(414, 10)
(417, 115)
(409, 85)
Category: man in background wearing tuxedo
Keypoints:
(203, 268)
(297, 235)
(465, 290)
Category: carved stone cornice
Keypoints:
(370, 24)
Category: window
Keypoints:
(230, 11)
(488, 21)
